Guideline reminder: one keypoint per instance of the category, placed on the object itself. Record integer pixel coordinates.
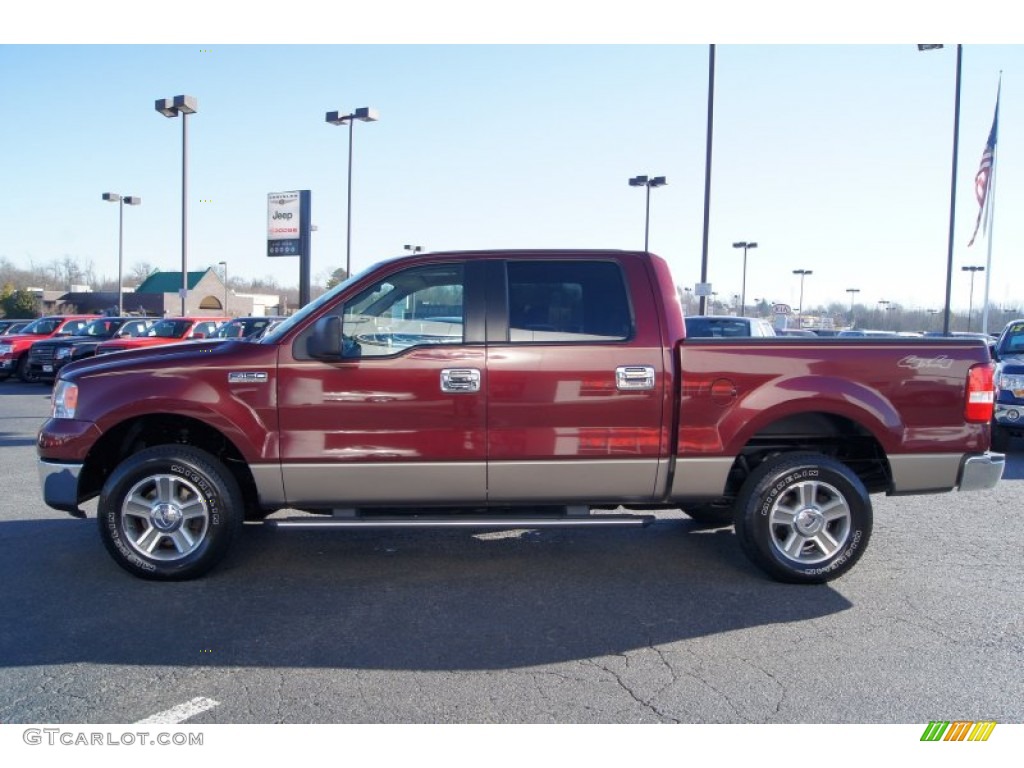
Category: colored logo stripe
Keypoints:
(958, 730)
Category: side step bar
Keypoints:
(498, 523)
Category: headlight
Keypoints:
(65, 400)
(1011, 381)
(5, 349)
(62, 352)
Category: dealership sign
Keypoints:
(287, 223)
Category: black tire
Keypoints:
(169, 513)
(24, 372)
(803, 518)
(714, 514)
(1000, 439)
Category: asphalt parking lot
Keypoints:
(661, 625)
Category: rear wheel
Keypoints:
(169, 513)
(803, 518)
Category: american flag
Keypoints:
(983, 180)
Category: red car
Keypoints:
(14, 349)
(170, 330)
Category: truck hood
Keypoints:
(179, 353)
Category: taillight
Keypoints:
(981, 394)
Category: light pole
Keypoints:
(184, 106)
(803, 273)
(644, 181)
(366, 115)
(743, 295)
(121, 200)
(952, 183)
(225, 265)
(414, 249)
(970, 306)
(853, 292)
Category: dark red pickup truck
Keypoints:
(513, 389)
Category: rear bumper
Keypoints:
(979, 473)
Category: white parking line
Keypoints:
(180, 713)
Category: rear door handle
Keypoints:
(460, 380)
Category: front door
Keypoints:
(401, 418)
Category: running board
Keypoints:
(501, 523)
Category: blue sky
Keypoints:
(833, 157)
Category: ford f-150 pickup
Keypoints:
(513, 389)
(1009, 415)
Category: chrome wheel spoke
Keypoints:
(182, 541)
(193, 509)
(794, 544)
(148, 540)
(808, 493)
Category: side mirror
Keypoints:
(324, 343)
(198, 335)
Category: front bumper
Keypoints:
(1010, 415)
(59, 482)
(981, 472)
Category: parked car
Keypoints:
(47, 357)
(566, 384)
(14, 348)
(726, 327)
(10, 327)
(166, 331)
(246, 327)
(1008, 419)
(862, 333)
(796, 332)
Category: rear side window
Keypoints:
(567, 301)
(717, 327)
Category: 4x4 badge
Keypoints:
(247, 377)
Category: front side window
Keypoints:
(567, 301)
(420, 306)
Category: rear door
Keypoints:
(577, 386)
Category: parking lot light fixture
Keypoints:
(225, 265)
(952, 183)
(800, 310)
(743, 294)
(181, 105)
(363, 115)
(414, 249)
(122, 201)
(970, 305)
(853, 293)
(645, 181)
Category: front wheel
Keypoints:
(25, 372)
(169, 513)
(803, 518)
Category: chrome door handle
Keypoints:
(631, 377)
(459, 380)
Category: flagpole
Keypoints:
(989, 225)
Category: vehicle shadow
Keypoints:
(434, 600)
